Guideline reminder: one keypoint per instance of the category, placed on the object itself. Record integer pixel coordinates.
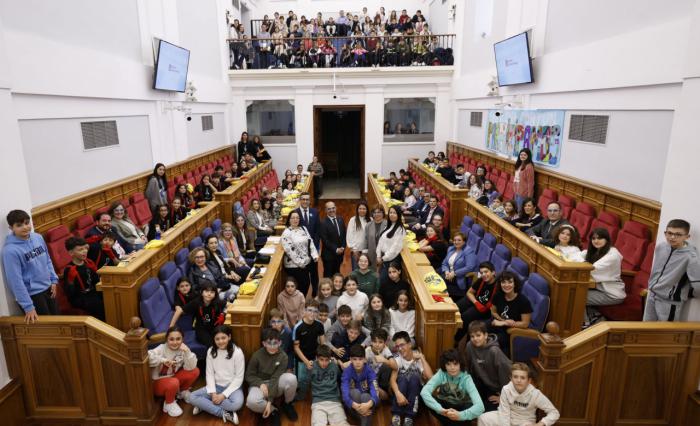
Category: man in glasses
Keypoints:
(675, 271)
(267, 379)
(542, 232)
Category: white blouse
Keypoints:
(402, 321)
(297, 244)
(389, 248)
(570, 253)
(355, 239)
(606, 274)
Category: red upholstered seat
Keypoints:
(547, 197)
(631, 309)
(632, 243)
(142, 211)
(83, 225)
(55, 242)
(138, 196)
(609, 221)
(582, 217)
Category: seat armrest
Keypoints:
(628, 273)
(157, 338)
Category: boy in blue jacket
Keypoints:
(28, 268)
(452, 375)
(359, 386)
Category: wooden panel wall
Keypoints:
(455, 197)
(436, 322)
(76, 369)
(12, 404)
(66, 210)
(627, 206)
(568, 281)
(623, 373)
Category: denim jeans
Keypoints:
(200, 398)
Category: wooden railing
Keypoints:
(79, 370)
(66, 210)
(617, 373)
(233, 193)
(436, 322)
(568, 281)
(308, 187)
(627, 206)
(248, 315)
(444, 189)
(120, 285)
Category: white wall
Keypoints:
(353, 87)
(204, 140)
(395, 155)
(605, 164)
(79, 169)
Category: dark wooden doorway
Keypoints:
(339, 141)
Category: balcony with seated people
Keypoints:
(347, 41)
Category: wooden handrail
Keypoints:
(248, 315)
(627, 206)
(77, 369)
(238, 188)
(455, 196)
(568, 281)
(622, 372)
(120, 284)
(67, 209)
(436, 322)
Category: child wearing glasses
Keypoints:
(278, 323)
(676, 268)
(307, 335)
(409, 372)
(267, 379)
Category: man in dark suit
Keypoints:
(427, 216)
(312, 222)
(542, 232)
(446, 171)
(333, 238)
(413, 214)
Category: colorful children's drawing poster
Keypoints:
(542, 131)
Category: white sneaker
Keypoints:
(196, 410)
(184, 395)
(230, 416)
(172, 409)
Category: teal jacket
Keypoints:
(465, 383)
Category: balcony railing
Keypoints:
(341, 52)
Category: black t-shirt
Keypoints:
(486, 294)
(513, 309)
(80, 279)
(206, 317)
(389, 291)
(307, 335)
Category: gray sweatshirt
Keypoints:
(673, 272)
(488, 364)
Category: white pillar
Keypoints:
(304, 124)
(374, 137)
(682, 173)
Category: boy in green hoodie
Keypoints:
(450, 393)
(487, 364)
(267, 379)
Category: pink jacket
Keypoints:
(526, 186)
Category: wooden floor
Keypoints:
(303, 408)
(345, 209)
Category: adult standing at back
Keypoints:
(309, 217)
(300, 255)
(157, 188)
(391, 241)
(356, 231)
(524, 177)
(316, 170)
(372, 233)
(334, 243)
(244, 145)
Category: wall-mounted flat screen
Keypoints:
(171, 67)
(513, 60)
